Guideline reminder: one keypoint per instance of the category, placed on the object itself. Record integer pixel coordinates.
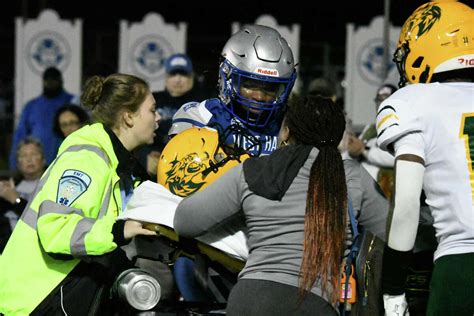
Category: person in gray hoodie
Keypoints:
(294, 202)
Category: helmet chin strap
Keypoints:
(214, 167)
(244, 143)
(236, 150)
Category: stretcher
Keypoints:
(216, 257)
(215, 254)
(155, 205)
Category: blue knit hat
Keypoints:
(178, 63)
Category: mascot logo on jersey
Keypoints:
(422, 19)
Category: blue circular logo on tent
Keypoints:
(149, 55)
(48, 49)
(370, 61)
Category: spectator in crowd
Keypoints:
(69, 118)
(15, 193)
(37, 117)
(364, 148)
(66, 250)
(180, 88)
(254, 85)
(296, 218)
(428, 125)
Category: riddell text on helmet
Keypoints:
(268, 72)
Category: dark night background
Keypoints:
(322, 37)
(322, 34)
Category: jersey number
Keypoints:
(467, 132)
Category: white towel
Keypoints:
(153, 203)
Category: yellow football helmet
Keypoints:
(193, 159)
(437, 37)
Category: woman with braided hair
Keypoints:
(294, 202)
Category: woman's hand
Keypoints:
(133, 228)
(8, 191)
(152, 162)
(355, 147)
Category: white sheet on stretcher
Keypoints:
(153, 203)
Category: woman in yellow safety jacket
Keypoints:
(65, 250)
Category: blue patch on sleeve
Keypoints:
(71, 185)
(189, 105)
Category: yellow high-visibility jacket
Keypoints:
(72, 213)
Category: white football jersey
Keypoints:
(443, 113)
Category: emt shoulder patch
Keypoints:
(71, 185)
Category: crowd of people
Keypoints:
(307, 187)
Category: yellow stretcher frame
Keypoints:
(214, 254)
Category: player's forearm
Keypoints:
(406, 212)
(403, 228)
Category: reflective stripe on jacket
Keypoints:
(51, 238)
